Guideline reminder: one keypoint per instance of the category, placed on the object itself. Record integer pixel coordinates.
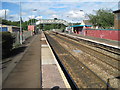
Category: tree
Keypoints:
(7, 43)
(17, 23)
(103, 18)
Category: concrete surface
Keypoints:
(26, 74)
(52, 74)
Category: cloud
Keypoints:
(31, 17)
(14, 17)
(47, 12)
(4, 12)
(23, 13)
(39, 17)
(54, 16)
(76, 14)
(61, 8)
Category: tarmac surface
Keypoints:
(26, 74)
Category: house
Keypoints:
(116, 19)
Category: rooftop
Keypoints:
(116, 11)
(81, 25)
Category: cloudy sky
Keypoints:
(71, 10)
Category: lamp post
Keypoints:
(108, 81)
(34, 10)
(71, 23)
(32, 21)
(20, 25)
(31, 18)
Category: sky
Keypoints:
(70, 10)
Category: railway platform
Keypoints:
(52, 74)
(106, 42)
(37, 68)
(26, 73)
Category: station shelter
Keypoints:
(79, 29)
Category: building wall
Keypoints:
(117, 20)
(105, 34)
(31, 28)
(11, 28)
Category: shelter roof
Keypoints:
(81, 26)
(116, 11)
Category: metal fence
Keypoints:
(25, 35)
(16, 35)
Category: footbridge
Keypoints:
(52, 21)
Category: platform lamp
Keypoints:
(71, 24)
(34, 10)
(108, 81)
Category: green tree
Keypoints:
(103, 18)
(17, 23)
(7, 43)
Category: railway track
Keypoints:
(97, 64)
(109, 60)
(111, 49)
(81, 74)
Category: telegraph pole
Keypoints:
(5, 14)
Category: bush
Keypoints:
(7, 43)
